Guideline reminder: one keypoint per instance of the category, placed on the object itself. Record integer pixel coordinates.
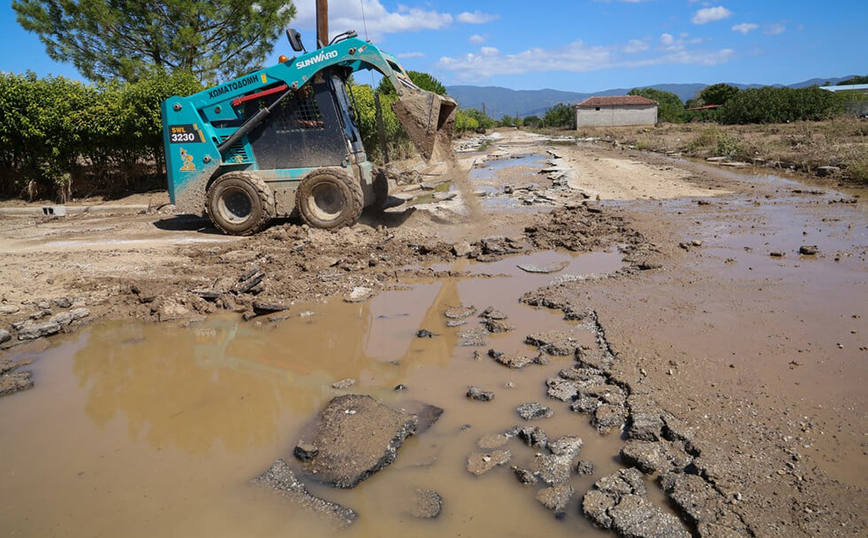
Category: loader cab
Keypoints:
(312, 128)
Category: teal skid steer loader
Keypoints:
(284, 140)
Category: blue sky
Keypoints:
(577, 45)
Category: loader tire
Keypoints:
(329, 198)
(240, 203)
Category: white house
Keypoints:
(616, 110)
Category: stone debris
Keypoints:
(425, 333)
(31, 330)
(480, 463)
(646, 423)
(356, 436)
(584, 468)
(492, 441)
(808, 250)
(475, 393)
(556, 468)
(497, 326)
(8, 309)
(11, 379)
(427, 504)
(531, 435)
(619, 502)
(553, 342)
(5, 336)
(359, 294)
(656, 457)
(305, 451)
(511, 360)
(344, 383)
(556, 498)
(491, 313)
(281, 479)
(703, 506)
(62, 302)
(552, 268)
(533, 410)
(460, 312)
(524, 476)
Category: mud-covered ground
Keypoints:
(716, 320)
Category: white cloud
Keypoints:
(635, 45)
(477, 17)
(711, 14)
(745, 27)
(347, 15)
(404, 55)
(573, 57)
(774, 29)
(666, 39)
(476, 39)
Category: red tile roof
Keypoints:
(616, 100)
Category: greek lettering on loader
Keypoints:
(234, 85)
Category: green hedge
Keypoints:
(781, 105)
(55, 133)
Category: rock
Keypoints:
(480, 463)
(475, 393)
(777, 254)
(456, 323)
(510, 360)
(359, 294)
(42, 304)
(344, 383)
(827, 170)
(808, 250)
(562, 389)
(427, 504)
(79, 313)
(61, 318)
(524, 476)
(646, 423)
(31, 330)
(552, 268)
(8, 309)
(305, 451)
(281, 479)
(584, 468)
(460, 312)
(171, 309)
(619, 502)
(461, 249)
(532, 436)
(261, 308)
(555, 468)
(608, 416)
(533, 410)
(492, 441)
(4, 335)
(424, 333)
(426, 415)
(553, 342)
(703, 505)
(655, 457)
(497, 326)
(610, 394)
(556, 498)
(568, 446)
(491, 313)
(62, 302)
(356, 437)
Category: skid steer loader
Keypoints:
(285, 140)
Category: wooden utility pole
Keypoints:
(322, 23)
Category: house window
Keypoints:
(598, 109)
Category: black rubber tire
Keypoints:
(329, 198)
(240, 203)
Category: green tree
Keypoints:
(108, 39)
(484, 121)
(560, 115)
(507, 121)
(423, 80)
(780, 105)
(858, 79)
(717, 94)
(670, 108)
(531, 121)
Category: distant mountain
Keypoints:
(499, 101)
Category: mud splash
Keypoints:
(150, 430)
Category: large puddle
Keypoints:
(155, 430)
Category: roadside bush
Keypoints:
(670, 107)
(560, 115)
(714, 142)
(56, 133)
(399, 145)
(781, 105)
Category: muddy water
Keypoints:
(155, 430)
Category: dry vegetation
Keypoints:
(804, 146)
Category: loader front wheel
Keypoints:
(239, 203)
(330, 198)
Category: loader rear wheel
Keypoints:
(330, 198)
(239, 203)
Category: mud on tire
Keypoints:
(329, 198)
(240, 203)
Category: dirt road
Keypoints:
(714, 315)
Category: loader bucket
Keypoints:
(428, 119)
